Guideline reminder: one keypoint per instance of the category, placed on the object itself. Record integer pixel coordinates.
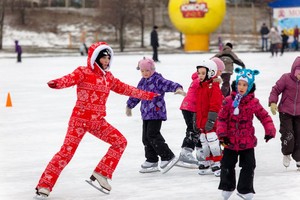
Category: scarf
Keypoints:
(236, 103)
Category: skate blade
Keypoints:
(186, 165)
(205, 172)
(40, 197)
(149, 170)
(101, 189)
(170, 165)
(240, 195)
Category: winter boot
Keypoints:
(148, 167)
(248, 196)
(226, 194)
(286, 160)
(186, 156)
(42, 193)
(102, 180)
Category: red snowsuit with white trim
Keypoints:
(93, 87)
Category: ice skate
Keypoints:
(286, 160)
(104, 185)
(204, 168)
(248, 196)
(149, 167)
(298, 165)
(42, 193)
(167, 165)
(215, 168)
(186, 159)
(226, 194)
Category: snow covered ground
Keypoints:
(33, 129)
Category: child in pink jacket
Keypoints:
(236, 132)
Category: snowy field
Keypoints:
(33, 129)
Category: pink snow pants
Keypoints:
(76, 130)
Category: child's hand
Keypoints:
(274, 108)
(128, 112)
(268, 137)
(52, 84)
(180, 91)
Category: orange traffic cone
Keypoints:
(8, 101)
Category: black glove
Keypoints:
(212, 116)
(268, 137)
(224, 141)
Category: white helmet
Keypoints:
(211, 66)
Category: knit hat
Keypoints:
(248, 76)
(220, 64)
(102, 53)
(229, 45)
(146, 64)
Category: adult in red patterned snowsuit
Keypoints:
(94, 83)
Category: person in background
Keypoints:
(275, 40)
(154, 43)
(153, 114)
(18, 50)
(296, 37)
(288, 86)
(236, 133)
(264, 31)
(94, 83)
(229, 58)
(284, 41)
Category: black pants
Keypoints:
(290, 135)
(155, 55)
(19, 57)
(154, 143)
(191, 138)
(247, 164)
(226, 84)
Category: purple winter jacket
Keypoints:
(154, 109)
(289, 86)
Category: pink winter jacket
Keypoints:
(239, 128)
(289, 87)
(189, 101)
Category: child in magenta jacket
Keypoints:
(289, 112)
(236, 132)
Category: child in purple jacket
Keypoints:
(153, 113)
(289, 112)
(236, 132)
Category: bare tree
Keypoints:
(2, 14)
(118, 14)
(140, 10)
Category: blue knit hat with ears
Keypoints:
(248, 76)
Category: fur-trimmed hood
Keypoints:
(93, 52)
